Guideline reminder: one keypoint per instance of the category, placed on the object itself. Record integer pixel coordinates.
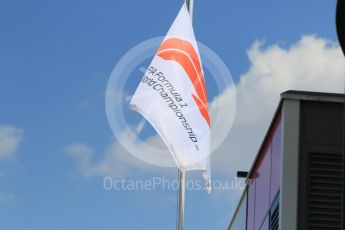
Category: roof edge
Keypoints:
(313, 96)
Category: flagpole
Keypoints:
(190, 7)
(181, 199)
(182, 174)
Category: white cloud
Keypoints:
(313, 64)
(82, 153)
(116, 161)
(10, 138)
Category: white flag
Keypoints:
(172, 97)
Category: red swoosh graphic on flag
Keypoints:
(183, 52)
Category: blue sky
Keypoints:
(55, 60)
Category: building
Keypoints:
(296, 180)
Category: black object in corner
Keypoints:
(340, 22)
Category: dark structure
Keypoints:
(340, 23)
(297, 179)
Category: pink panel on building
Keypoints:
(251, 205)
(262, 191)
(276, 158)
(265, 179)
(265, 225)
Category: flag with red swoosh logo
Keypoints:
(172, 96)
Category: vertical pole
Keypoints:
(181, 174)
(181, 199)
(190, 7)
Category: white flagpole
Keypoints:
(181, 200)
(181, 174)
